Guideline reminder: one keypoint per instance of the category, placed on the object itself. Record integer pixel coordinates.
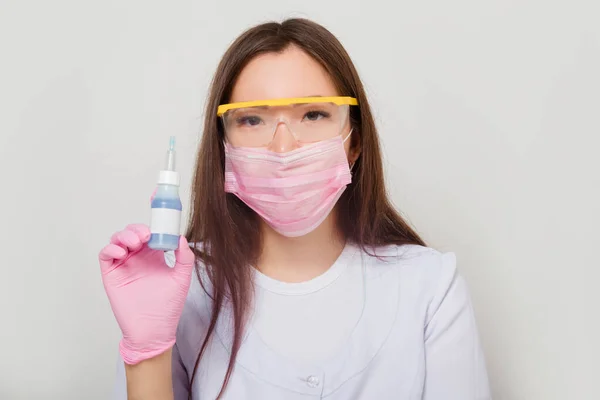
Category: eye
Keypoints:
(315, 115)
(250, 120)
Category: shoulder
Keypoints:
(413, 262)
(420, 273)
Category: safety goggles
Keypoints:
(309, 119)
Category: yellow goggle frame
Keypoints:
(339, 100)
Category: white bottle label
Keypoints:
(165, 220)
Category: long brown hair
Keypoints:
(228, 229)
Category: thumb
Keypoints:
(184, 256)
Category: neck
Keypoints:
(301, 258)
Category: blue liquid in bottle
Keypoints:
(166, 214)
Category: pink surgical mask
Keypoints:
(294, 191)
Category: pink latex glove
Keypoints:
(146, 295)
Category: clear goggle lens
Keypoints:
(310, 122)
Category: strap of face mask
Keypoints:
(347, 136)
(344, 141)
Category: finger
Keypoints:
(141, 230)
(128, 239)
(184, 256)
(109, 254)
(153, 194)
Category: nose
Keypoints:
(283, 139)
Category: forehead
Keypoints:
(292, 73)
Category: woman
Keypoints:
(307, 283)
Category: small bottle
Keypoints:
(166, 207)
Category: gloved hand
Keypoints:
(146, 295)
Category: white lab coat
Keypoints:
(416, 340)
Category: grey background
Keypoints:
(489, 112)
